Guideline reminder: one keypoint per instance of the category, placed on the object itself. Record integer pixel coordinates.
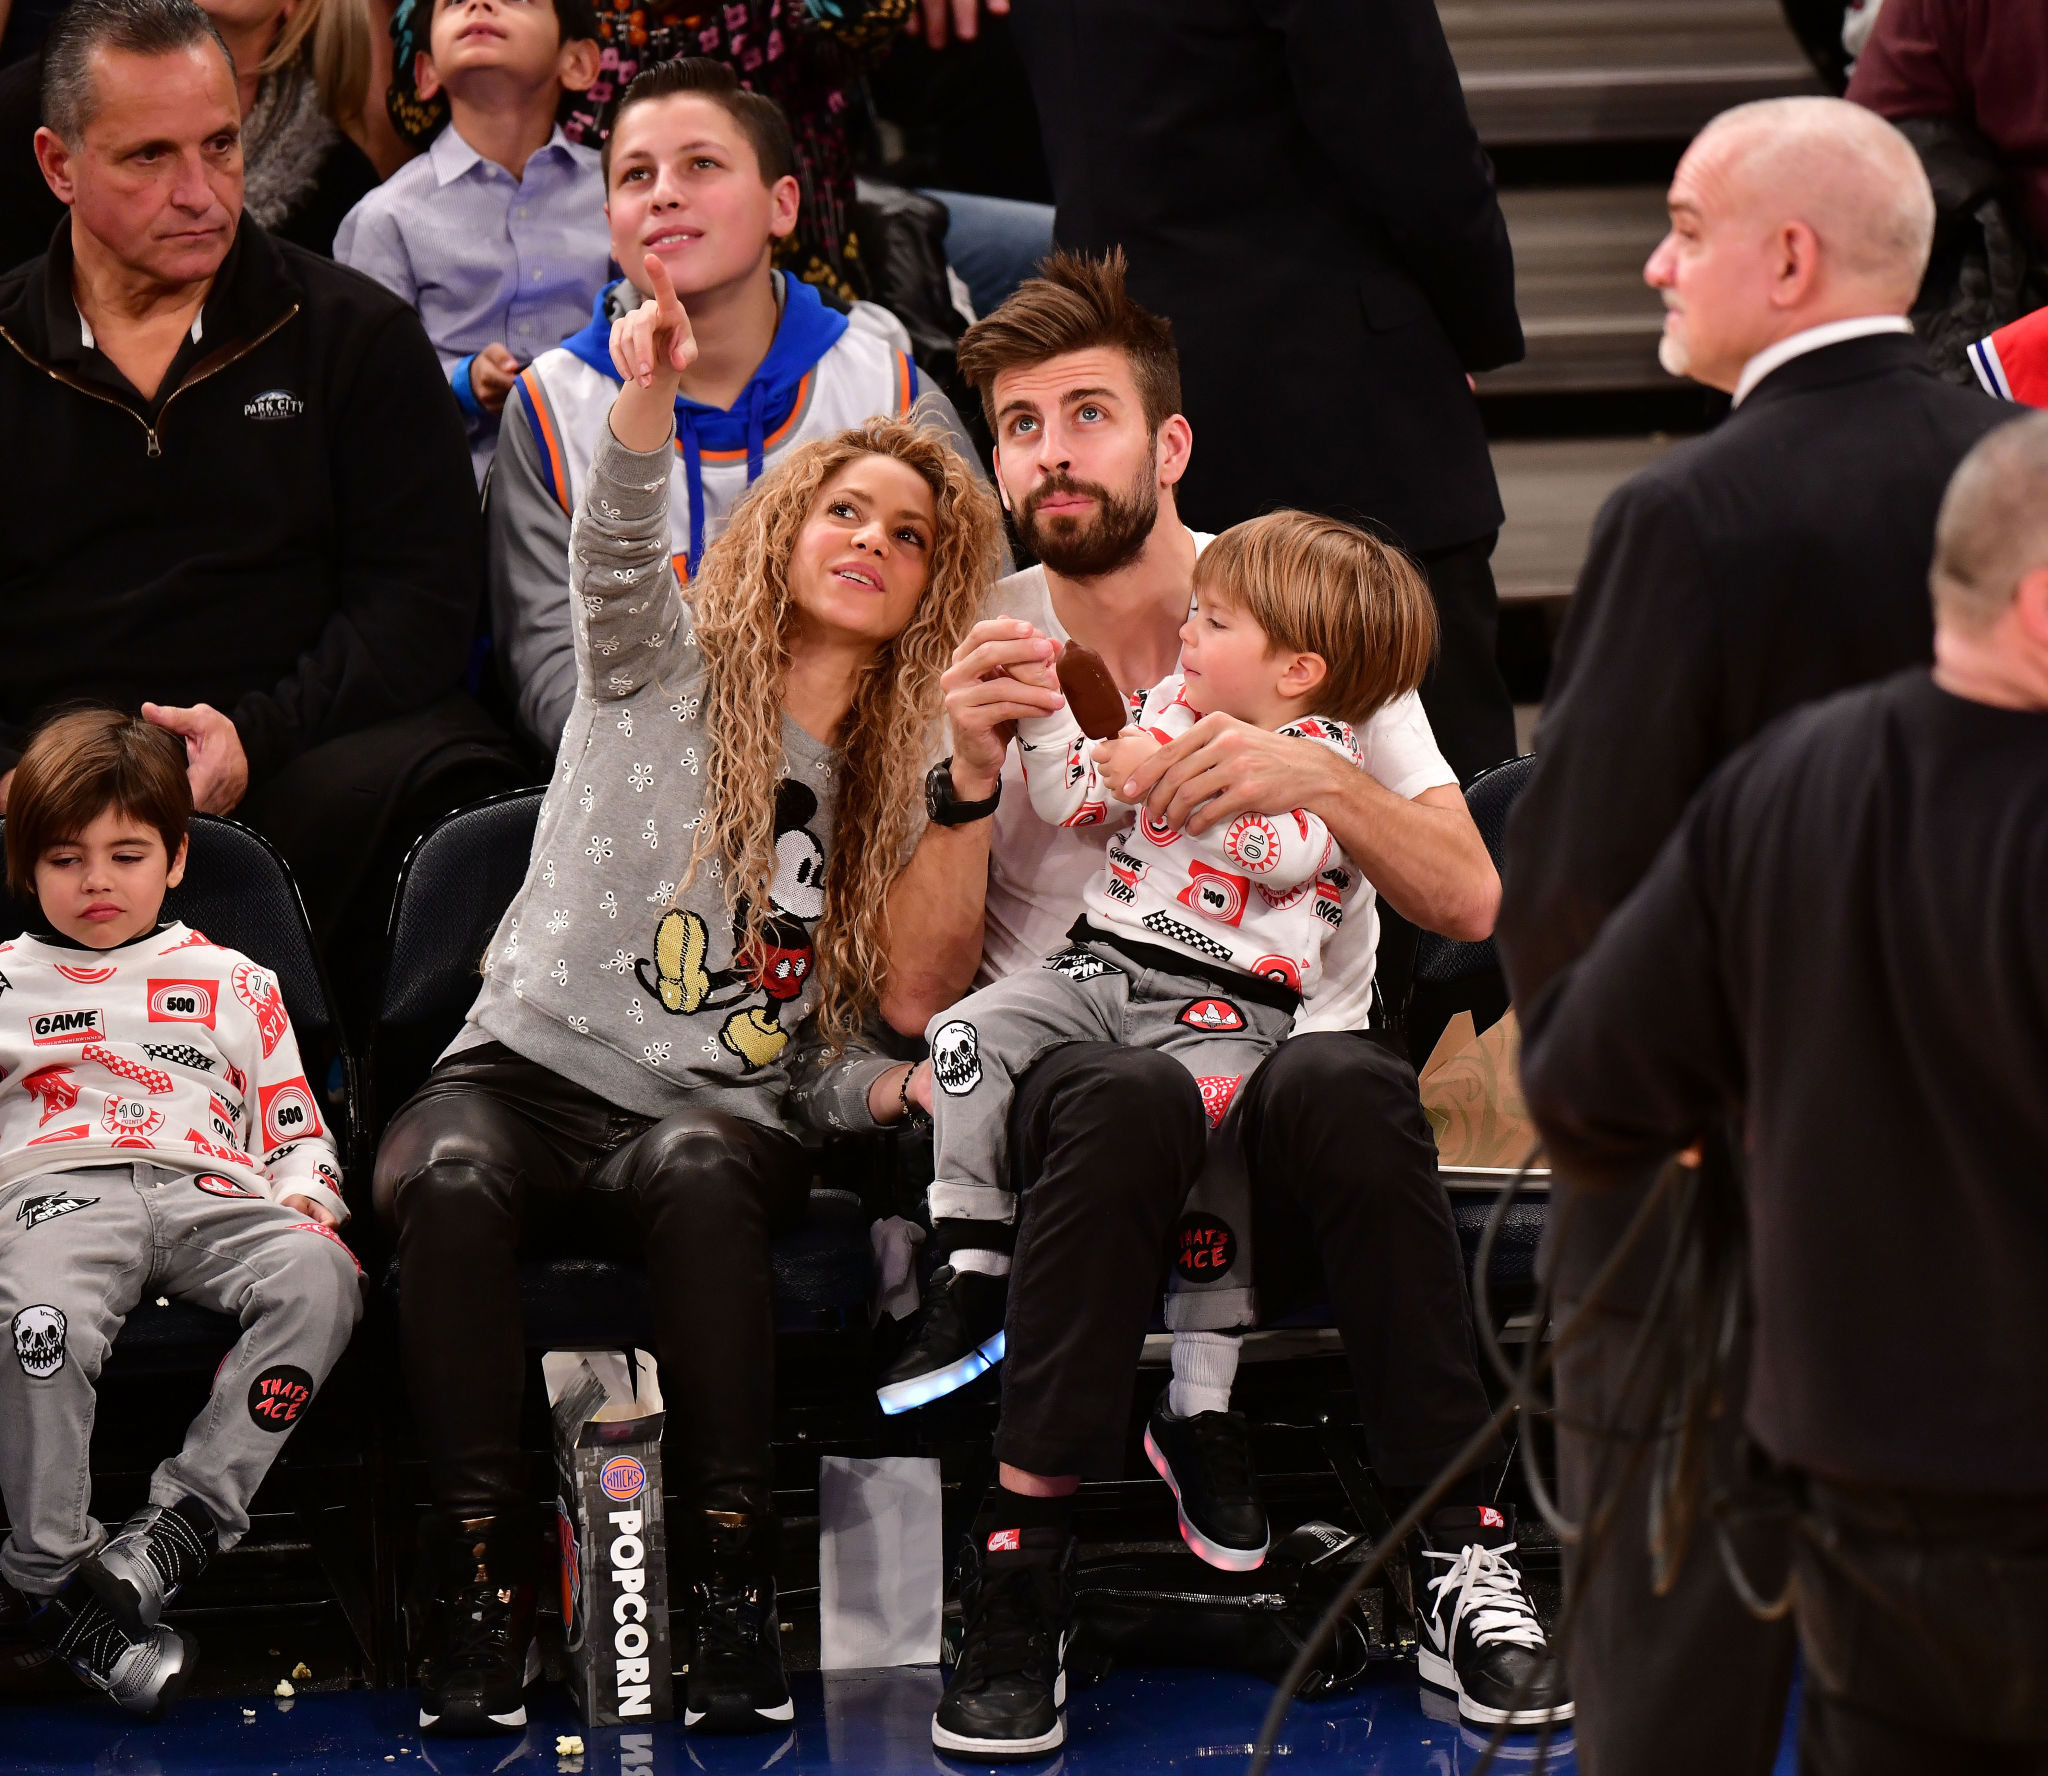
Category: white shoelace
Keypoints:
(1489, 1592)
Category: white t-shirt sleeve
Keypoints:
(1401, 752)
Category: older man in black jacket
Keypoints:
(1780, 558)
(1842, 944)
(1300, 191)
(237, 492)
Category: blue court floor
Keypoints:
(848, 1724)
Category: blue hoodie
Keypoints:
(805, 333)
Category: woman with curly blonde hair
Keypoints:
(736, 790)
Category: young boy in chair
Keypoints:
(157, 1137)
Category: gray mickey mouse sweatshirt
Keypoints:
(597, 970)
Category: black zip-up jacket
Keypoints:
(288, 531)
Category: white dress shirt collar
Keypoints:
(1797, 345)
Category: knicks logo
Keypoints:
(181, 1002)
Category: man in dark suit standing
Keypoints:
(1299, 189)
(1780, 558)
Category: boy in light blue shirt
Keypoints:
(496, 234)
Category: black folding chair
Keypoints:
(1452, 976)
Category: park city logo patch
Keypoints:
(274, 404)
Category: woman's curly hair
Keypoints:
(743, 611)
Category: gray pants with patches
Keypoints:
(1094, 993)
(79, 1251)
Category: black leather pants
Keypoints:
(497, 1157)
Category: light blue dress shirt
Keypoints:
(485, 258)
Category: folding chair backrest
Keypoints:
(1490, 797)
(453, 890)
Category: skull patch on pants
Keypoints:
(39, 1341)
(956, 1057)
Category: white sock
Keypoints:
(1204, 1366)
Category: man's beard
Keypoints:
(1112, 537)
(1673, 353)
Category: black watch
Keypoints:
(947, 809)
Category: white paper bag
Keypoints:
(880, 1561)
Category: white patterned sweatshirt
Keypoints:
(168, 1049)
(1259, 894)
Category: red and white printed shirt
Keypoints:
(1260, 894)
(168, 1049)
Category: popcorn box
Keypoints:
(608, 1417)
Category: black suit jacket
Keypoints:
(1780, 558)
(1299, 188)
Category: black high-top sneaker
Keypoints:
(1478, 1636)
(1007, 1697)
(143, 1676)
(736, 1683)
(473, 1611)
(1207, 1459)
(149, 1560)
(959, 1336)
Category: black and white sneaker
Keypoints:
(477, 1597)
(735, 1680)
(143, 1675)
(1207, 1460)
(1007, 1697)
(1479, 1639)
(139, 1569)
(959, 1336)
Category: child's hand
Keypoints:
(1040, 674)
(1117, 759)
(492, 373)
(312, 1210)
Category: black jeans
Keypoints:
(496, 1157)
(1921, 1626)
(1690, 1683)
(1346, 1205)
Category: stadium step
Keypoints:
(1553, 488)
(1542, 71)
(1590, 321)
